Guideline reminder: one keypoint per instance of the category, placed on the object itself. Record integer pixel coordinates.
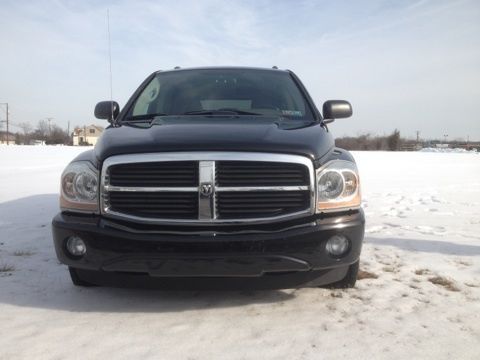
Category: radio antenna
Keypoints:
(110, 63)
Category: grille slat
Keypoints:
(259, 173)
(168, 205)
(176, 173)
(256, 205)
(261, 203)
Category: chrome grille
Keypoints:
(207, 187)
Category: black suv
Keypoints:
(213, 177)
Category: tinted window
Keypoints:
(264, 92)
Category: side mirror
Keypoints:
(336, 109)
(107, 110)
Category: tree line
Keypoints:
(392, 142)
(51, 134)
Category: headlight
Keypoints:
(79, 187)
(338, 187)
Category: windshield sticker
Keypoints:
(292, 113)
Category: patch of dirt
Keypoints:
(6, 268)
(422, 272)
(463, 262)
(362, 274)
(443, 281)
(356, 296)
(23, 253)
(331, 307)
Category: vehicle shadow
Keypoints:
(430, 246)
(37, 280)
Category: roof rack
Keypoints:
(177, 67)
(275, 67)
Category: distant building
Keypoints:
(87, 135)
(7, 138)
(410, 146)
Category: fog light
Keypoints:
(337, 245)
(76, 246)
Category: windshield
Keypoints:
(222, 91)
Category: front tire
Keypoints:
(349, 280)
(76, 280)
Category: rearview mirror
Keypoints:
(107, 110)
(336, 109)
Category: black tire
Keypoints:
(349, 280)
(76, 280)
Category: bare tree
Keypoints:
(57, 135)
(368, 141)
(42, 130)
(27, 129)
(393, 140)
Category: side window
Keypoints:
(148, 96)
(92, 131)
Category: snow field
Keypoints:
(418, 296)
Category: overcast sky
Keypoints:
(411, 65)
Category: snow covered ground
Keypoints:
(448, 150)
(419, 296)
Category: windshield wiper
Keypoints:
(220, 112)
(144, 117)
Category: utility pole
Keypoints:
(49, 119)
(68, 133)
(6, 105)
(8, 134)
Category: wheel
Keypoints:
(76, 280)
(349, 280)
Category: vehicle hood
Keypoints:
(209, 134)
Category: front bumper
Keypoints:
(295, 249)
